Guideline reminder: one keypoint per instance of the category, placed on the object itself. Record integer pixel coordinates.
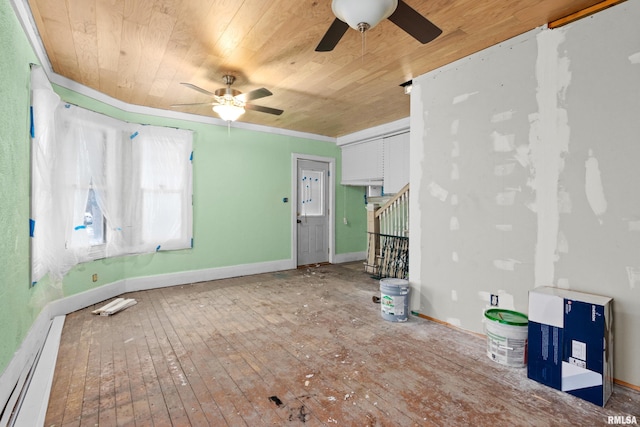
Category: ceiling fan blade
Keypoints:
(419, 27)
(262, 109)
(332, 36)
(254, 94)
(194, 104)
(199, 89)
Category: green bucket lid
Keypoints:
(506, 317)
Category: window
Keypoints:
(102, 187)
(312, 192)
(94, 222)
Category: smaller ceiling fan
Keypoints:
(230, 103)
(364, 15)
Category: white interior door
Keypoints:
(312, 212)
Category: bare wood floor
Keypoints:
(305, 346)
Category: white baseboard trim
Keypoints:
(33, 409)
(194, 276)
(51, 319)
(14, 377)
(349, 257)
(17, 371)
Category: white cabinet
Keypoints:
(396, 162)
(381, 161)
(362, 163)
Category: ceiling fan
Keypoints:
(230, 103)
(364, 15)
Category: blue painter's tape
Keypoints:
(33, 284)
(133, 135)
(157, 248)
(67, 105)
(192, 243)
(32, 227)
(32, 130)
(80, 227)
(191, 157)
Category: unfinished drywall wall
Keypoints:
(475, 195)
(599, 233)
(523, 165)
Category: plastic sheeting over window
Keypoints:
(102, 187)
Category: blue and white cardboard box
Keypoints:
(571, 342)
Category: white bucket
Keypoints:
(507, 337)
(394, 299)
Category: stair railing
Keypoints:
(388, 237)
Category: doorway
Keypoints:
(313, 207)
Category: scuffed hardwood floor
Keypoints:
(300, 347)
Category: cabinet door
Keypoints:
(396, 162)
(362, 163)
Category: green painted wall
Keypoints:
(17, 306)
(239, 181)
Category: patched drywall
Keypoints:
(601, 174)
(474, 197)
(524, 169)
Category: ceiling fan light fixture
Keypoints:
(228, 112)
(363, 15)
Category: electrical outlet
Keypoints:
(494, 300)
(94, 277)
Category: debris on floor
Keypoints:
(276, 400)
(115, 306)
(300, 412)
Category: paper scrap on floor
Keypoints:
(115, 306)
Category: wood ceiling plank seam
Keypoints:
(242, 22)
(82, 19)
(276, 60)
(138, 11)
(304, 75)
(168, 7)
(214, 24)
(271, 44)
(180, 58)
(267, 22)
(167, 70)
(191, 72)
(55, 21)
(130, 54)
(43, 34)
(154, 45)
(109, 20)
(108, 82)
(61, 37)
(52, 10)
(197, 69)
(140, 93)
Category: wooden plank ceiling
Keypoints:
(139, 51)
